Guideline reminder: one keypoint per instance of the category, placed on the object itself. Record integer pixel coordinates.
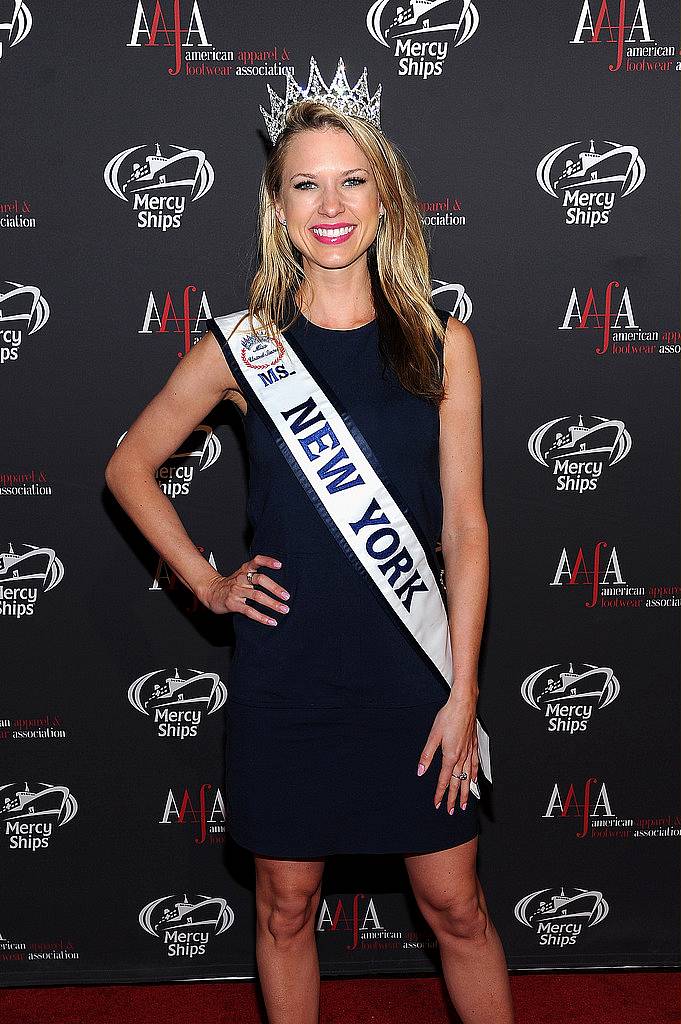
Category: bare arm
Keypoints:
(465, 542)
(198, 382)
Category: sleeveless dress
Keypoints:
(328, 711)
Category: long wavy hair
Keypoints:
(397, 258)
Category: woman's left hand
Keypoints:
(454, 728)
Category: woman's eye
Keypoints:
(301, 184)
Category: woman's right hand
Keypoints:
(229, 593)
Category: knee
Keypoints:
(460, 919)
(287, 915)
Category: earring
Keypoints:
(284, 221)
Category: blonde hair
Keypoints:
(397, 258)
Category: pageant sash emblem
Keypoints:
(340, 473)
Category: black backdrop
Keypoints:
(107, 823)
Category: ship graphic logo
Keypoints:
(415, 20)
(204, 691)
(576, 907)
(40, 802)
(617, 168)
(587, 447)
(210, 914)
(554, 687)
(17, 25)
(186, 172)
(202, 444)
(23, 306)
(35, 563)
(462, 308)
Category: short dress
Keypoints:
(328, 711)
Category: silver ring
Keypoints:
(459, 775)
(250, 574)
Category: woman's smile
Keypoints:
(333, 235)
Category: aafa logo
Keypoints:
(569, 805)
(169, 31)
(581, 574)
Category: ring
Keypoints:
(459, 775)
(250, 574)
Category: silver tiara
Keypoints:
(355, 102)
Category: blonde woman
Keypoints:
(361, 405)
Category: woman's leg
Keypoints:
(449, 895)
(287, 896)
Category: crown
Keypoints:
(355, 102)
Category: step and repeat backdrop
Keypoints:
(544, 141)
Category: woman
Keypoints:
(341, 739)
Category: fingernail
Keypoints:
(463, 806)
(421, 769)
(285, 594)
(277, 562)
(272, 622)
(438, 803)
(451, 810)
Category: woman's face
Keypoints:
(327, 184)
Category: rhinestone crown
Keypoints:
(354, 101)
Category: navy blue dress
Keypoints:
(328, 711)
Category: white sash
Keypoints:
(341, 475)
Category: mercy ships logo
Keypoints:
(446, 293)
(577, 453)
(567, 698)
(558, 918)
(159, 187)
(23, 311)
(419, 39)
(24, 575)
(591, 180)
(17, 25)
(178, 705)
(185, 924)
(29, 816)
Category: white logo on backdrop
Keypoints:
(417, 32)
(29, 816)
(577, 453)
(558, 917)
(177, 704)
(185, 924)
(455, 299)
(158, 187)
(592, 179)
(567, 697)
(17, 28)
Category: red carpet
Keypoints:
(602, 997)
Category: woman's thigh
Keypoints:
(447, 880)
